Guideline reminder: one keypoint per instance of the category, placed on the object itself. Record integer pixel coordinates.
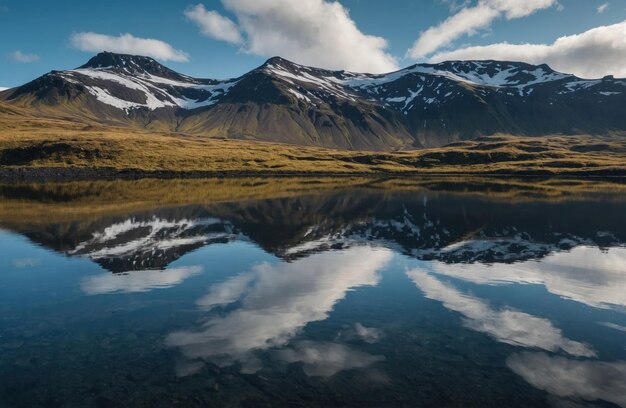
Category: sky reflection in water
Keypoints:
(358, 297)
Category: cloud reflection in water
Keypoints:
(137, 281)
(585, 274)
(325, 359)
(589, 380)
(505, 325)
(275, 302)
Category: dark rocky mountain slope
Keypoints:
(425, 105)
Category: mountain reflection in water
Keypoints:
(336, 293)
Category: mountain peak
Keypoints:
(112, 60)
(277, 60)
(129, 64)
(285, 63)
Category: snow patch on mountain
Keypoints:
(512, 76)
(130, 82)
(299, 95)
(159, 92)
(325, 84)
(105, 97)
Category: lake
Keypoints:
(299, 292)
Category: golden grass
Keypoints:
(44, 142)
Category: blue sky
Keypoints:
(225, 38)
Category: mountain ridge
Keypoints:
(421, 106)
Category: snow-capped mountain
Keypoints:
(423, 105)
(127, 83)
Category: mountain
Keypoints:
(424, 105)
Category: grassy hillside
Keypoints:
(27, 141)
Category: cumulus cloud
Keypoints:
(603, 7)
(505, 325)
(312, 32)
(127, 44)
(214, 25)
(469, 20)
(591, 54)
(137, 281)
(587, 380)
(19, 56)
(274, 303)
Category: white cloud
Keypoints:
(587, 380)
(468, 20)
(517, 9)
(603, 7)
(137, 281)
(321, 359)
(505, 325)
(312, 32)
(19, 56)
(127, 44)
(275, 302)
(456, 5)
(591, 54)
(465, 22)
(2, 88)
(214, 25)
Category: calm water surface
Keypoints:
(125, 294)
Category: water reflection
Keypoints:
(275, 301)
(589, 380)
(375, 293)
(139, 281)
(505, 325)
(326, 359)
(26, 262)
(137, 244)
(593, 276)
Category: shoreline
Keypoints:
(68, 174)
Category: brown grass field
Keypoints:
(31, 142)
